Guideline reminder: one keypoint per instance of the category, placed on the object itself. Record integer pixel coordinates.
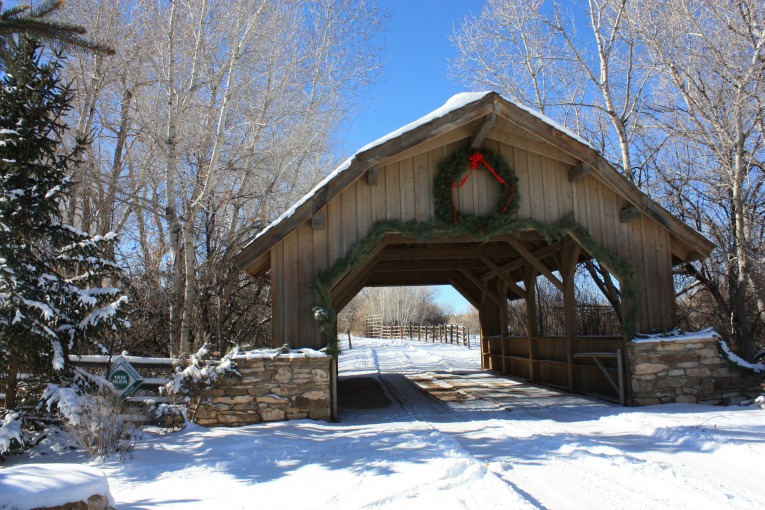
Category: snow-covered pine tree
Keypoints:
(54, 290)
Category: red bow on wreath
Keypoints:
(475, 161)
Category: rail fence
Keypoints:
(440, 333)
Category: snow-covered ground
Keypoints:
(493, 445)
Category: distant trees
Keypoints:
(672, 94)
(212, 118)
(398, 306)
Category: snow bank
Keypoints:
(28, 486)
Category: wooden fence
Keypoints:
(441, 333)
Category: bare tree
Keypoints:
(711, 106)
(226, 113)
(679, 86)
(583, 66)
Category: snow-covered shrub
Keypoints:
(168, 416)
(95, 419)
(11, 435)
(188, 384)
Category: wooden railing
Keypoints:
(156, 372)
(586, 364)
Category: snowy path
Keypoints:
(568, 451)
(484, 445)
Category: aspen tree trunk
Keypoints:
(171, 214)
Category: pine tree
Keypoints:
(34, 20)
(51, 294)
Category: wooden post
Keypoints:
(570, 258)
(530, 282)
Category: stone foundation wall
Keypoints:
(690, 371)
(284, 388)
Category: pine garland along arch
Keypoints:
(361, 252)
(448, 178)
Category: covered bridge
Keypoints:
(419, 207)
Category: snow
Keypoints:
(506, 445)
(97, 358)
(277, 353)
(44, 485)
(677, 335)
(757, 367)
(10, 430)
(453, 103)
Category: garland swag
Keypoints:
(495, 225)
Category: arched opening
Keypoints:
(543, 318)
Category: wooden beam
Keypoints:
(393, 278)
(513, 135)
(604, 171)
(578, 172)
(372, 176)
(478, 283)
(540, 253)
(534, 261)
(480, 135)
(443, 251)
(629, 214)
(517, 290)
(603, 263)
(568, 271)
(465, 293)
(318, 221)
(427, 265)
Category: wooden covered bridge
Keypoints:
(419, 207)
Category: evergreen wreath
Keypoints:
(448, 177)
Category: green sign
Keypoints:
(124, 377)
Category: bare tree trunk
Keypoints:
(171, 214)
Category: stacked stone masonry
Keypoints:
(283, 388)
(688, 371)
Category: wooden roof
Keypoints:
(461, 112)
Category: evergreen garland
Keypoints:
(496, 225)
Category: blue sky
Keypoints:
(414, 79)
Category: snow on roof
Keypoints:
(453, 103)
